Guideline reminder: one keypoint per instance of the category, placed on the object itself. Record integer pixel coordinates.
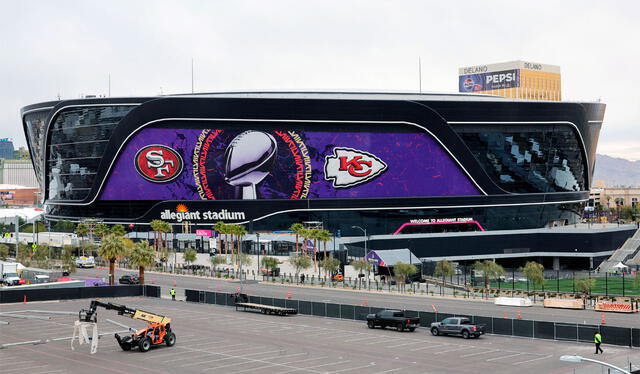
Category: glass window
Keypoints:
(78, 139)
(528, 159)
(35, 124)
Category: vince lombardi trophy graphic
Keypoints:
(249, 159)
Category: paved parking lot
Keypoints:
(215, 339)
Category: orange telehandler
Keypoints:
(157, 332)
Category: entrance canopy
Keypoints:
(390, 257)
(620, 265)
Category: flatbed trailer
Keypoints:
(242, 301)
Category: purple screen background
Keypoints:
(416, 166)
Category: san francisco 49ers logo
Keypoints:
(349, 167)
(158, 163)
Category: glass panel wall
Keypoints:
(77, 141)
(528, 159)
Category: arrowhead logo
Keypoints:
(349, 167)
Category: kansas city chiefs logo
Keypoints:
(349, 167)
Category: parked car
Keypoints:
(85, 262)
(392, 318)
(458, 326)
(129, 279)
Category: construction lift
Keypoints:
(158, 330)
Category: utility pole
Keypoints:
(17, 226)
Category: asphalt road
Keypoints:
(216, 339)
(378, 299)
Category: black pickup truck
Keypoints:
(392, 318)
(457, 325)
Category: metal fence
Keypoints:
(558, 281)
(22, 295)
(622, 336)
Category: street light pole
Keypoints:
(366, 252)
(570, 358)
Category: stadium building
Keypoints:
(453, 176)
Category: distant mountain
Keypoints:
(617, 172)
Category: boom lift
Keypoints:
(157, 332)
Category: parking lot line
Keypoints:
(285, 363)
(47, 372)
(27, 368)
(387, 371)
(535, 359)
(226, 358)
(503, 357)
(349, 369)
(450, 350)
(356, 339)
(480, 353)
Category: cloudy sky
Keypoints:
(69, 48)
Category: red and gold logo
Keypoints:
(158, 163)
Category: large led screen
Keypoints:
(227, 163)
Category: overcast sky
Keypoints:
(69, 48)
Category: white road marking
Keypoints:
(27, 368)
(503, 357)
(480, 353)
(449, 350)
(535, 359)
(48, 372)
(349, 369)
(387, 371)
(282, 372)
(226, 358)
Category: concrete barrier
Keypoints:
(513, 301)
(564, 303)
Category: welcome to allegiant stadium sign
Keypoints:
(222, 215)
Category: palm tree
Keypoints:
(102, 230)
(118, 230)
(324, 236)
(82, 230)
(112, 248)
(142, 255)
(156, 226)
(219, 228)
(240, 232)
(314, 234)
(165, 229)
(297, 229)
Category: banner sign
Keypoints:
(489, 81)
(204, 233)
(230, 164)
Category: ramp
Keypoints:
(629, 250)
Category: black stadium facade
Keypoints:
(446, 175)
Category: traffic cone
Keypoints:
(238, 289)
(24, 299)
(505, 315)
(174, 283)
(603, 322)
(519, 316)
(365, 302)
(288, 295)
